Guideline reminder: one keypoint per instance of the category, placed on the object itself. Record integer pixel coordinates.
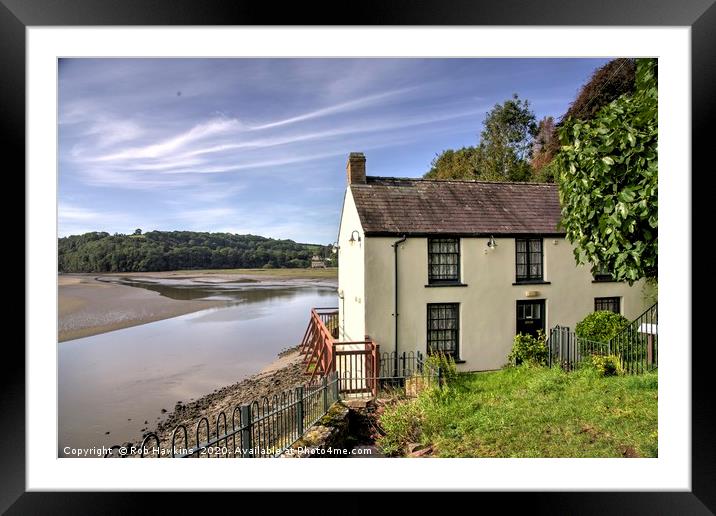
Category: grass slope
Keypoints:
(530, 412)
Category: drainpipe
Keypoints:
(395, 310)
(342, 297)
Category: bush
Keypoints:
(601, 326)
(446, 363)
(607, 365)
(529, 349)
(401, 426)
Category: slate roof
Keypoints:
(397, 206)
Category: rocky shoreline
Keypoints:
(283, 374)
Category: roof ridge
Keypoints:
(471, 181)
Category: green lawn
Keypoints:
(530, 412)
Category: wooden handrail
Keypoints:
(320, 348)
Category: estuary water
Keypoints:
(114, 382)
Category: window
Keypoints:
(602, 273)
(528, 259)
(443, 260)
(611, 304)
(443, 328)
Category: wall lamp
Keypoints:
(353, 239)
(491, 243)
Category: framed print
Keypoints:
(429, 238)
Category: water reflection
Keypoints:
(115, 381)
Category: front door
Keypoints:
(530, 316)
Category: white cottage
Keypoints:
(460, 267)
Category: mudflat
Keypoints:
(88, 306)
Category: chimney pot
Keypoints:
(356, 168)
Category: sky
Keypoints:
(260, 146)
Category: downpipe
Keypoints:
(395, 308)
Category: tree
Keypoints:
(506, 141)
(171, 250)
(607, 83)
(542, 152)
(504, 150)
(137, 231)
(608, 182)
(455, 164)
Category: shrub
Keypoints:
(446, 363)
(607, 365)
(601, 326)
(401, 425)
(529, 349)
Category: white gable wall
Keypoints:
(351, 274)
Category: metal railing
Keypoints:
(264, 428)
(413, 374)
(269, 427)
(636, 345)
(568, 350)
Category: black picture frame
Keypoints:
(700, 15)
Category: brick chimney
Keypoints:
(356, 168)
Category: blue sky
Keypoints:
(260, 145)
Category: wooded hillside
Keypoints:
(172, 250)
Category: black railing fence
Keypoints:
(263, 428)
(636, 345)
(270, 426)
(408, 372)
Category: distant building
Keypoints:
(317, 262)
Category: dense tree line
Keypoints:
(172, 250)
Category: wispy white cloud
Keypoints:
(70, 212)
(155, 150)
(259, 145)
(342, 107)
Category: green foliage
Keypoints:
(543, 150)
(528, 349)
(455, 164)
(446, 363)
(172, 250)
(650, 291)
(608, 182)
(546, 173)
(607, 83)
(504, 150)
(607, 365)
(401, 426)
(530, 412)
(506, 141)
(601, 326)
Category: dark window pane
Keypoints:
(528, 259)
(443, 260)
(611, 304)
(443, 328)
(602, 273)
